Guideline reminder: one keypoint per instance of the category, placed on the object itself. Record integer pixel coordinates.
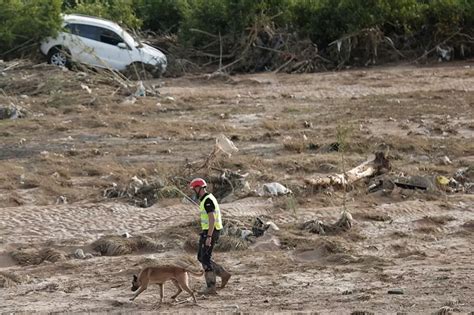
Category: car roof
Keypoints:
(92, 20)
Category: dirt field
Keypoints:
(72, 145)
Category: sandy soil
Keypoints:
(73, 145)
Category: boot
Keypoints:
(222, 273)
(210, 277)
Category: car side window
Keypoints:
(109, 37)
(86, 31)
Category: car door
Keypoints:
(83, 43)
(115, 49)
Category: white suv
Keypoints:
(101, 43)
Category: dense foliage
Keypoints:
(322, 21)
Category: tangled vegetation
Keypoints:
(222, 28)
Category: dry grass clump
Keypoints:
(440, 219)
(113, 245)
(226, 243)
(469, 225)
(8, 280)
(33, 256)
(379, 217)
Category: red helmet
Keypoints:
(197, 182)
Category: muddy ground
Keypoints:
(71, 144)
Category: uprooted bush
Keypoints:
(344, 223)
(33, 256)
(114, 245)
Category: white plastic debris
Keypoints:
(79, 254)
(446, 161)
(141, 91)
(169, 99)
(444, 54)
(85, 87)
(275, 189)
(272, 226)
(137, 181)
(62, 200)
(226, 145)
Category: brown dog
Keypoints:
(160, 275)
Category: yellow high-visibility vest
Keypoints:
(205, 216)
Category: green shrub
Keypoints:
(228, 17)
(23, 23)
(119, 11)
(160, 15)
(445, 17)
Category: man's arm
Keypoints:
(210, 209)
(211, 224)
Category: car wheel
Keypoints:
(59, 57)
(157, 71)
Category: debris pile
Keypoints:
(139, 192)
(236, 236)
(8, 280)
(11, 112)
(379, 164)
(229, 185)
(319, 227)
(461, 181)
(33, 256)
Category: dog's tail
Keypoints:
(196, 274)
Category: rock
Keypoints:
(395, 291)
(79, 254)
(89, 256)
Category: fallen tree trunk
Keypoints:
(375, 166)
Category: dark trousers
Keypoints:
(205, 252)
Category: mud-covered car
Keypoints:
(101, 43)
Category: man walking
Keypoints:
(211, 225)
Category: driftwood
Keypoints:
(374, 166)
